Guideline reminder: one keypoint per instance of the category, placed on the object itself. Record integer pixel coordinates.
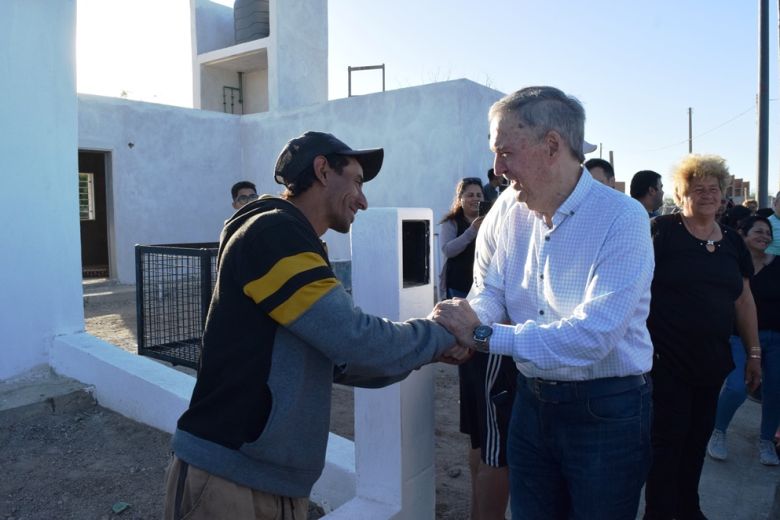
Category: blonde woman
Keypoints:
(700, 292)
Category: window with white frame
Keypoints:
(87, 196)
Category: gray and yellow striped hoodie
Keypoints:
(280, 329)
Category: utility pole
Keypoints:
(690, 128)
(763, 103)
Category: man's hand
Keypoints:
(752, 373)
(456, 355)
(458, 318)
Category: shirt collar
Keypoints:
(575, 199)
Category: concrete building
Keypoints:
(167, 170)
(159, 174)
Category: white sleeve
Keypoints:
(487, 292)
(487, 238)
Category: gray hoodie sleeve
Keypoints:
(342, 376)
(365, 347)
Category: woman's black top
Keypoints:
(460, 267)
(693, 294)
(765, 286)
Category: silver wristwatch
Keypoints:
(482, 338)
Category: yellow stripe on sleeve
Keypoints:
(303, 298)
(283, 270)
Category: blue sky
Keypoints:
(635, 66)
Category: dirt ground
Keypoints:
(79, 464)
(96, 459)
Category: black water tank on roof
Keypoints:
(250, 20)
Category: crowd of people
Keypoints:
(592, 335)
(704, 323)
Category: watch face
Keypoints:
(482, 333)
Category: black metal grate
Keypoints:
(174, 284)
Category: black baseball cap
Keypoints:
(299, 153)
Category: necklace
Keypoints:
(709, 242)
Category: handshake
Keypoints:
(460, 320)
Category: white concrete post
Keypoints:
(394, 447)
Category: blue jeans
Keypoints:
(578, 458)
(734, 392)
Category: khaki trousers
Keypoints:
(193, 494)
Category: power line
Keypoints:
(678, 143)
(726, 122)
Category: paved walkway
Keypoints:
(740, 488)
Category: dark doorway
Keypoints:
(93, 214)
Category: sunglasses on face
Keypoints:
(245, 199)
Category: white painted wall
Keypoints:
(211, 95)
(40, 257)
(212, 26)
(433, 135)
(298, 58)
(256, 91)
(173, 185)
(296, 73)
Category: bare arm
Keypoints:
(747, 326)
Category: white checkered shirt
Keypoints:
(578, 293)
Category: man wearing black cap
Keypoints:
(280, 330)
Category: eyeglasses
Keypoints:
(471, 180)
(245, 199)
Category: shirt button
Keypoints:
(541, 276)
(541, 313)
(547, 238)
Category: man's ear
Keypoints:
(320, 169)
(553, 141)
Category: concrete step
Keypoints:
(42, 392)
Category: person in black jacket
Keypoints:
(280, 329)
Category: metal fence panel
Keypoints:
(173, 288)
(174, 284)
